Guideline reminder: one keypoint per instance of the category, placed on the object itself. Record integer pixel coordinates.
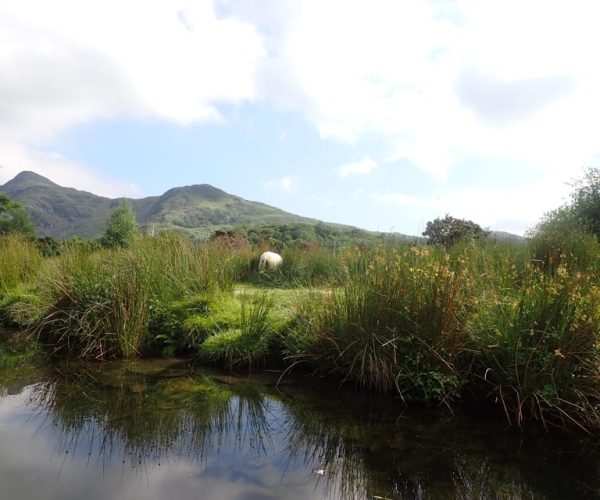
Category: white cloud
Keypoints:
(174, 60)
(286, 184)
(362, 167)
(15, 158)
(513, 209)
(431, 82)
(68, 62)
(434, 81)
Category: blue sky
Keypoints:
(379, 114)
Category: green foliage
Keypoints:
(121, 227)
(114, 302)
(585, 201)
(325, 236)
(309, 266)
(511, 326)
(20, 260)
(48, 246)
(450, 230)
(537, 348)
(248, 344)
(580, 214)
(14, 219)
(397, 324)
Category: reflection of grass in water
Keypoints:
(144, 413)
(366, 458)
(141, 417)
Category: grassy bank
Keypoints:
(511, 327)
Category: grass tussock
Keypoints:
(20, 260)
(537, 349)
(397, 323)
(111, 302)
(247, 343)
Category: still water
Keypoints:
(162, 430)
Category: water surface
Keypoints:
(160, 429)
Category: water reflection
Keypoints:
(156, 429)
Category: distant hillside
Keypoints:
(198, 210)
(505, 237)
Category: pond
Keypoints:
(162, 429)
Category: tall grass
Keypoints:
(101, 304)
(20, 260)
(397, 323)
(538, 351)
(482, 321)
(514, 326)
(247, 344)
(310, 266)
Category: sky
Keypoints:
(375, 113)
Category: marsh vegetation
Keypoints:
(514, 328)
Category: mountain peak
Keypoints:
(28, 178)
(204, 191)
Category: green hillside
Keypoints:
(199, 210)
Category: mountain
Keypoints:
(198, 210)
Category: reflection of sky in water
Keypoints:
(36, 462)
(114, 433)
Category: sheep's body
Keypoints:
(269, 261)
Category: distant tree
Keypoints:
(450, 230)
(14, 218)
(121, 227)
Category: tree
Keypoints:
(580, 214)
(14, 218)
(450, 230)
(585, 201)
(121, 227)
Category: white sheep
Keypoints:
(269, 261)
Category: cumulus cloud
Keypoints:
(362, 167)
(500, 102)
(437, 80)
(430, 81)
(68, 62)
